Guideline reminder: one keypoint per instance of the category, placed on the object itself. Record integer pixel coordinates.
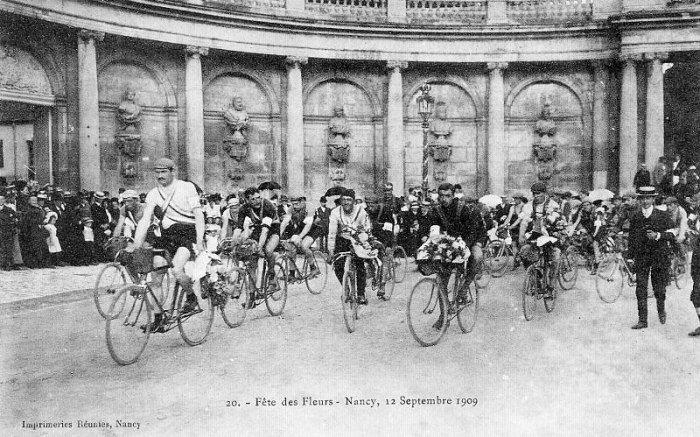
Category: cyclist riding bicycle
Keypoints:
(383, 223)
(182, 222)
(680, 223)
(299, 227)
(539, 218)
(352, 215)
(456, 219)
(258, 220)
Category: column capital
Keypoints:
(87, 35)
(630, 58)
(496, 65)
(296, 61)
(196, 51)
(392, 64)
(656, 56)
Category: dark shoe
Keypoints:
(640, 325)
(695, 333)
(190, 304)
(381, 294)
(315, 271)
(662, 318)
(362, 300)
(462, 297)
(438, 324)
(157, 324)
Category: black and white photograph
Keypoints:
(349, 218)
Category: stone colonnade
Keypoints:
(496, 152)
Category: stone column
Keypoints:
(601, 80)
(654, 139)
(496, 155)
(295, 124)
(89, 111)
(394, 126)
(628, 123)
(194, 101)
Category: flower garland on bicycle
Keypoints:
(456, 219)
(299, 227)
(258, 220)
(354, 221)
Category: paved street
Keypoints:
(577, 371)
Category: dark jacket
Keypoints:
(640, 246)
(465, 222)
(642, 178)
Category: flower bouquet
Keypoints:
(440, 250)
(361, 240)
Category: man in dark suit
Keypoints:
(651, 230)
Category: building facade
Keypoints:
(312, 93)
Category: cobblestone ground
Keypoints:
(577, 371)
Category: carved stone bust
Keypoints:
(129, 112)
(236, 116)
(338, 126)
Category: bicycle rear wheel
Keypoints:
(498, 257)
(389, 278)
(349, 300)
(400, 264)
(194, 326)
(128, 324)
(609, 281)
(233, 307)
(466, 314)
(550, 299)
(276, 298)
(316, 284)
(567, 271)
(111, 278)
(426, 312)
(680, 270)
(530, 290)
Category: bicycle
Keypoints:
(499, 249)
(115, 275)
(539, 278)
(614, 271)
(242, 293)
(432, 304)
(679, 268)
(130, 317)
(349, 297)
(400, 261)
(567, 268)
(314, 283)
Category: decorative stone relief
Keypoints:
(128, 137)
(236, 117)
(441, 129)
(19, 71)
(545, 146)
(338, 136)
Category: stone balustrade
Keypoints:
(254, 4)
(459, 11)
(545, 11)
(349, 10)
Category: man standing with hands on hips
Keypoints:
(651, 230)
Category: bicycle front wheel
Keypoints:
(195, 323)
(498, 257)
(483, 279)
(233, 306)
(530, 290)
(349, 301)
(128, 324)
(317, 283)
(426, 313)
(400, 264)
(609, 281)
(389, 278)
(567, 271)
(276, 291)
(111, 278)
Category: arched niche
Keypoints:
(366, 160)
(571, 114)
(23, 78)
(464, 110)
(158, 125)
(260, 102)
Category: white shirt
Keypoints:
(647, 211)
